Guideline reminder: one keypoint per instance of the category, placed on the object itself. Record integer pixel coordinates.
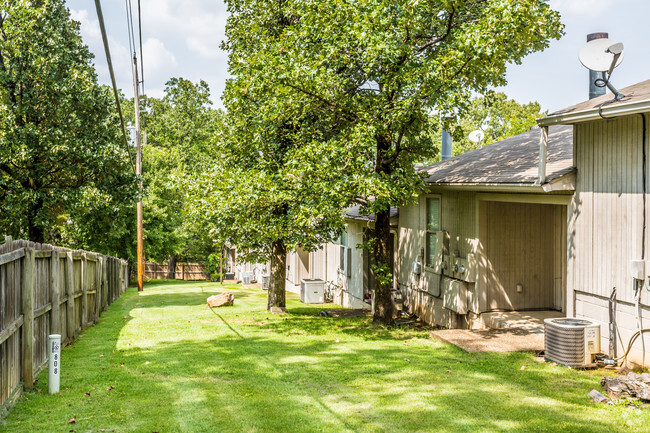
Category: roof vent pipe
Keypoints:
(595, 91)
(445, 151)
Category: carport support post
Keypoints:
(543, 151)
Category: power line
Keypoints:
(141, 57)
(100, 17)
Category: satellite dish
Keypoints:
(601, 55)
(476, 136)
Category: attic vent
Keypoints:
(571, 342)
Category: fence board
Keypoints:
(43, 290)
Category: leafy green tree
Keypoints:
(61, 154)
(373, 71)
(498, 117)
(179, 129)
(272, 187)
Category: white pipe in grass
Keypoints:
(54, 348)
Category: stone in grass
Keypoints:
(597, 397)
(221, 300)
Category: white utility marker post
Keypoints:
(54, 373)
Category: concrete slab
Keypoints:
(532, 321)
(493, 340)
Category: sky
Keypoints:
(182, 39)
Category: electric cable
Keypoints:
(141, 56)
(102, 28)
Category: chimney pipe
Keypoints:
(595, 91)
(445, 151)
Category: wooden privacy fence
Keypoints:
(183, 271)
(48, 290)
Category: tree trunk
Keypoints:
(383, 278)
(380, 249)
(277, 283)
(171, 267)
(36, 232)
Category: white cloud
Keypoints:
(200, 24)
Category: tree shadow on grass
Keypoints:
(266, 384)
(300, 373)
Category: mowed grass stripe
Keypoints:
(161, 361)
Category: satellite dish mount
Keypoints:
(603, 55)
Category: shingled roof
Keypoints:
(513, 161)
(354, 212)
(636, 100)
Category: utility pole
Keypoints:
(138, 172)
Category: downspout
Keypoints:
(543, 153)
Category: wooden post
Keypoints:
(69, 286)
(84, 289)
(98, 286)
(183, 271)
(55, 295)
(28, 316)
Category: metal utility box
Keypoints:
(440, 257)
(455, 297)
(464, 268)
(312, 291)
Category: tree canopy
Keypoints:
(371, 73)
(180, 129)
(63, 168)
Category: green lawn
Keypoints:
(162, 362)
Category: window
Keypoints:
(433, 225)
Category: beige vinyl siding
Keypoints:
(607, 225)
(520, 248)
(608, 207)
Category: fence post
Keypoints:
(84, 289)
(55, 313)
(69, 282)
(105, 261)
(98, 286)
(28, 316)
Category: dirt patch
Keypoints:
(345, 313)
(492, 340)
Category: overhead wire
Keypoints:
(102, 27)
(141, 57)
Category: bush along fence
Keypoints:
(47, 290)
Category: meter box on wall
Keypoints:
(455, 297)
(464, 268)
(438, 257)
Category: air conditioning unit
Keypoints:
(571, 341)
(312, 291)
(247, 277)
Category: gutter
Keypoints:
(610, 110)
(564, 183)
